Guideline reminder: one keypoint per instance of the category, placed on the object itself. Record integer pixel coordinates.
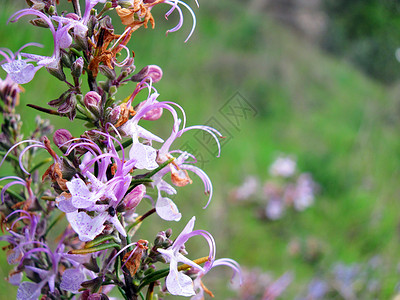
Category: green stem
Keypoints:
(95, 249)
(141, 296)
(122, 293)
(100, 240)
(150, 291)
(160, 167)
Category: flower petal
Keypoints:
(179, 284)
(71, 280)
(64, 203)
(20, 71)
(144, 155)
(81, 196)
(29, 291)
(167, 209)
(86, 227)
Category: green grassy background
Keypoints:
(341, 126)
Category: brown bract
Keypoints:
(102, 54)
(180, 177)
(133, 258)
(126, 112)
(137, 15)
(55, 174)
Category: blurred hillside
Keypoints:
(340, 125)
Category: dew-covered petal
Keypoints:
(85, 226)
(29, 291)
(20, 71)
(167, 209)
(14, 256)
(144, 155)
(81, 196)
(64, 203)
(15, 278)
(71, 280)
(178, 283)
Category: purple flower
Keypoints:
(18, 70)
(177, 282)
(283, 166)
(85, 197)
(101, 196)
(21, 241)
(71, 280)
(174, 4)
(21, 71)
(236, 277)
(165, 207)
(276, 288)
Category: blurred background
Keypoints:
(311, 81)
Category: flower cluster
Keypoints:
(284, 189)
(91, 185)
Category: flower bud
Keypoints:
(125, 4)
(168, 232)
(51, 10)
(152, 115)
(92, 99)
(68, 105)
(114, 114)
(135, 196)
(151, 71)
(91, 25)
(66, 60)
(108, 72)
(61, 137)
(72, 16)
(77, 67)
(81, 39)
(57, 72)
(39, 23)
(98, 297)
(158, 240)
(92, 102)
(155, 72)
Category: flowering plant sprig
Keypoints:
(94, 182)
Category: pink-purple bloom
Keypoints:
(97, 180)
(177, 282)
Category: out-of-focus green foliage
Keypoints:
(366, 32)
